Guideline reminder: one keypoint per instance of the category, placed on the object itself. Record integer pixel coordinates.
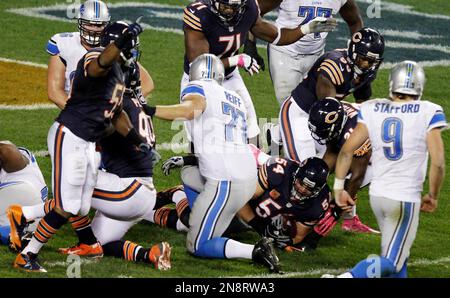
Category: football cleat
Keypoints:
(355, 225)
(84, 250)
(164, 197)
(159, 256)
(263, 253)
(28, 262)
(18, 224)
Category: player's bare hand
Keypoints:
(429, 204)
(319, 24)
(343, 200)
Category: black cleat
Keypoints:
(164, 197)
(28, 262)
(264, 254)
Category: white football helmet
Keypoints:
(408, 78)
(92, 19)
(207, 66)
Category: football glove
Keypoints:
(128, 40)
(244, 61)
(328, 221)
(251, 50)
(319, 24)
(171, 163)
(279, 232)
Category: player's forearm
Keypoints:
(343, 163)
(58, 97)
(176, 112)
(100, 66)
(289, 35)
(436, 178)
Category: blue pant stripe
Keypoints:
(213, 213)
(394, 251)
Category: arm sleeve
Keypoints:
(52, 46)
(192, 89)
(438, 119)
(88, 58)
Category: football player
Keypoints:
(220, 27)
(124, 192)
(287, 192)
(331, 123)
(94, 106)
(225, 163)
(290, 63)
(21, 182)
(403, 131)
(66, 49)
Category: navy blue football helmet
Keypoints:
(309, 179)
(230, 12)
(326, 120)
(112, 32)
(365, 51)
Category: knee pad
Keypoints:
(76, 169)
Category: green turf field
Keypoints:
(415, 34)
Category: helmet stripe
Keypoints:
(208, 67)
(97, 10)
(409, 73)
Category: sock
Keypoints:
(49, 205)
(82, 226)
(373, 267)
(166, 217)
(32, 212)
(181, 227)
(47, 227)
(178, 196)
(4, 234)
(183, 211)
(235, 249)
(126, 250)
(403, 273)
(212, 248)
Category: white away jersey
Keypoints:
(219, 134)
(31, 173)
(292, 13)
(398, 132)
(68, 47)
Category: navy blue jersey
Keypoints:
(120, 157)
(92, 101)
(223, 41)
(335, 67)
(276, 177)
(352, 120)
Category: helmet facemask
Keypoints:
(90, 32)
(230, 12)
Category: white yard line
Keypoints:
(37, 106)
(320, 271)
(28, 63)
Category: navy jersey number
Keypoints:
(391, 133)
(311, 12)
(235, 114)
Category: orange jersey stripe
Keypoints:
(120, 195)
(338, 69)
(333, 70)
(57, 177)
(287, 131)
(333, 79)
(193, 16)
(190, 24)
